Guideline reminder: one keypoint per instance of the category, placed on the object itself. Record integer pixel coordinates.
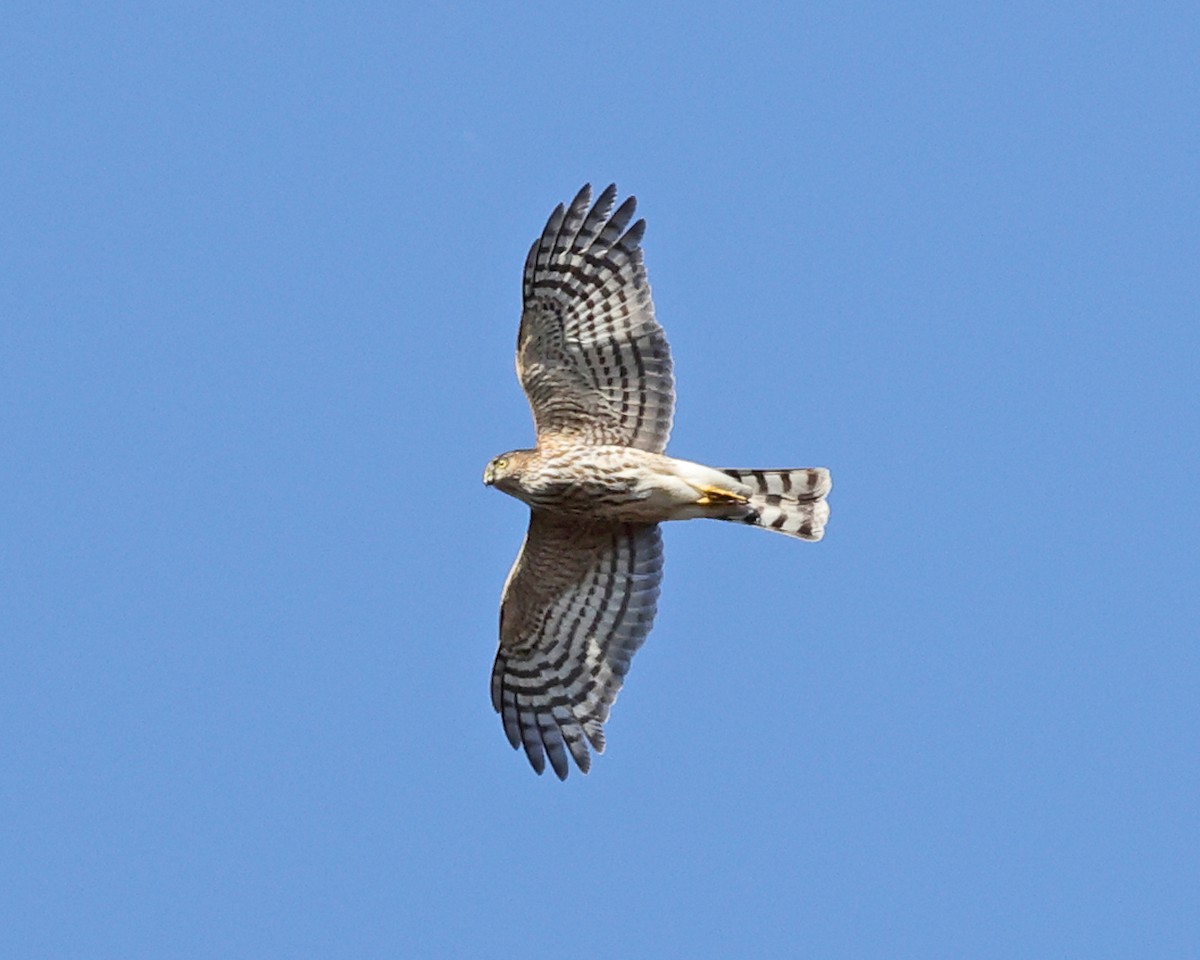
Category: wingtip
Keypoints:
(624, 213)
(537, 760)
(583, 197)
(633, 236)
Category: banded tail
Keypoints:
(788, 501)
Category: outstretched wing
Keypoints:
(593, 361)
(578, 603)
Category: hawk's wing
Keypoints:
(578, 603)
(590, 355)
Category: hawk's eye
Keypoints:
(501, 463)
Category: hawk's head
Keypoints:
(505, 470)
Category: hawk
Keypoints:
(581, 596)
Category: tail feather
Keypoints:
(787, 501)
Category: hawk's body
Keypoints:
(628, 485)
(597, 371)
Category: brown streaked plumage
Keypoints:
(581, 597)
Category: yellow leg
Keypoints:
(713, 495)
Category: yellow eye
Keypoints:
(501, 463)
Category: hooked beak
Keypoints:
(489, 475)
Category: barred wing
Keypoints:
(593, 361)
(578, 603)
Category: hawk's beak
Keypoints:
(489, 475)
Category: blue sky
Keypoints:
(261, 285)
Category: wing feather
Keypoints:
(591, 357)
(578, 603)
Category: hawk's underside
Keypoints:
(581, 597)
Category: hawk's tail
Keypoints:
(787, 501)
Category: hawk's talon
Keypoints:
(714, 495)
